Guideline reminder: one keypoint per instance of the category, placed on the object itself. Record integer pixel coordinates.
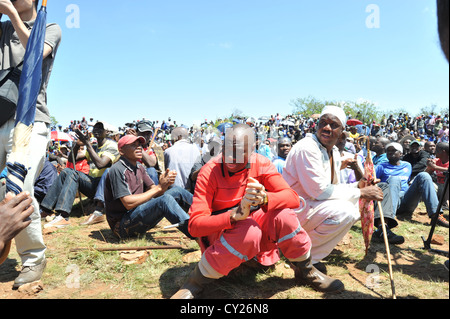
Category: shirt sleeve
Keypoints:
(53, 37)
(279, 194)
(119, 186)
(111, 151)
(201, 222)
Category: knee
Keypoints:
(346, 213)
(424, 177)
(394, 181)
(250, 231)
(165, 200)
(68, 173)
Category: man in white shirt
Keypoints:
(313, 171)
(181, 157)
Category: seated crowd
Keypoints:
(251, 191)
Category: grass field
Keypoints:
(90, 274)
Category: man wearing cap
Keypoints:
(133, 203)
(405, 198)
(417, 157)
(313, 171)
(62, 193)
(149, 159)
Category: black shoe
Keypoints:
(392, 237)
(446, 264)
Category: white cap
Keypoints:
(395, 145)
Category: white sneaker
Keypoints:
(58, 222)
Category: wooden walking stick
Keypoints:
(386, 243)
(124, 248)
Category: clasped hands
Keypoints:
(255, 195)
(167, 179)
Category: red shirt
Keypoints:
(216, 190)
(81, 166)
(439, 174)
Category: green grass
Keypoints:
(418, 274)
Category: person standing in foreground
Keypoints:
(14, 38)
(312, 170)
(242, 211)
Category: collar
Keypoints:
(29, 24)
(128, 165)
(323, 148)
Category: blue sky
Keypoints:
(202, 59)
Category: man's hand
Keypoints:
(372, 193)
(255, 192)
(242, 212)
(6, 7)
(167, 179)
(14, 212)
(82, 139)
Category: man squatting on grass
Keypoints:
(242, 210)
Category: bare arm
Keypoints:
(165, 181)
(6, 7)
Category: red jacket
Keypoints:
(216, 190)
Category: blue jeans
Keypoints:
(172, 205)
(387, 205)
(62, 193)
(100, 193)
(421, 188)
(151, 171)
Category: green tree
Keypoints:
(53, 120)
(365, 111)
(309, 106)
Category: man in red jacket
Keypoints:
(242, 210)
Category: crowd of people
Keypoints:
(140, 173)
(246, 191)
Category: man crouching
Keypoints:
(243, 209)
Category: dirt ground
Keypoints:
(410, 263)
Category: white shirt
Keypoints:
(308, 172)
(181, 157)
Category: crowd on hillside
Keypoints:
(142, 172)
(428, 130)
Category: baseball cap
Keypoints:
(129, 139)
(415, 142)
(106, 126)
(395, 145)
(144, 126)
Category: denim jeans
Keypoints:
(62, 193)
(172, 205)
(422, 188)
(100, 193)
(387, 205)
(151, 171)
